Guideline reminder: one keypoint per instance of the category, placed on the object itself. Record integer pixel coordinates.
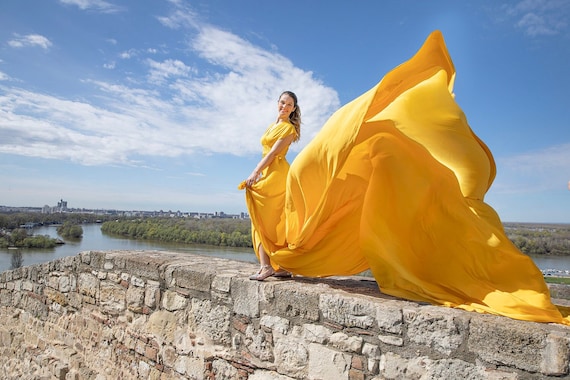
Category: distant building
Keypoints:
(62, 206)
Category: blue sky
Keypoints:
(159, 105)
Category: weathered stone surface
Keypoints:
(290, 301)
(316, 333)
(88, 285)
(326, 363)
(113, 298)
(389, 317)
(245, 294)
(135, 298)
(172, 300)
(162, 325)
(346, 343)
(505, 342)
(441, 329)
(166, 316)
(190, 279)
(268, 375)
(210, 321)
(394, 366)
(259, 343)
(292, 357)
(347, 311)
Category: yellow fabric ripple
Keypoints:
(395, 182)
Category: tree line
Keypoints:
(19, 238)
(12, 220)
(12, 234)
(213, 231)
(540, 239)
(532, 239)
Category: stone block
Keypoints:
(137, 281)
(5, 337)
(172, 301)
(65, 283)
(224, 370)
(210, 321)
(314, 333)
(245, 294)
(277, 324)
(5, 297)
(162, 325)
(222, 283)
(112, 298)
(292, 357)
(389, 317)
(555, 361)
(262, 374)
(293, 301)
(326, 363)
(187, 278)
(347, 311)
(193, 367)
(259, 344)
(441, 329)
(55, 296)
(88, 285)
(152, 294)
(523, 345)
(135, 299)
(346, 343)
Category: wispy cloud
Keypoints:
(540, 17)
(171, 109)
(171, 68)
(531, 172)
(30, 40)
(96, 5)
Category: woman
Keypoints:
(265, 186)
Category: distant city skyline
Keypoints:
(62, 207)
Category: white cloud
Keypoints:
(159, 71)
(222, 108)
(181, 17)
(98, 5)
(128, 54)
(30, 40)
(540, 17)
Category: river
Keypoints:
(94, 240)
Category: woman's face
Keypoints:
(285, 105)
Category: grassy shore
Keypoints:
(557, 280)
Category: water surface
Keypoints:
(94, 240)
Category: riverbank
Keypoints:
(94, 239)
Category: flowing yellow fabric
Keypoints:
(395, 182)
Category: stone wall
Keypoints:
(157, 315)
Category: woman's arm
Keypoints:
(277, 148)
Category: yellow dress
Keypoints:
(395, 182)
(266, 199)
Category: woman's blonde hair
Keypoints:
(295, 116)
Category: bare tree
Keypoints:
(17, 259)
